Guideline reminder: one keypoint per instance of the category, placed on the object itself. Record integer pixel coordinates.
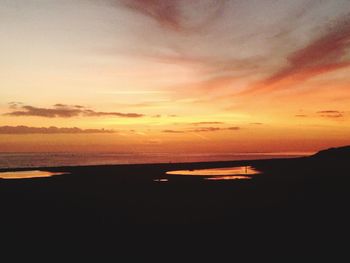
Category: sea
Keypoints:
(47, 159)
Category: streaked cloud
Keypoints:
(324, 113)
(322, 55)
(331, 114)
(177, 15)
(178, 69)
(204, 129)
(207, 123)
(63, 111)
(279, 64)
(173, 131)
(49, 130)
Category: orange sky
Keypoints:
(174, 75)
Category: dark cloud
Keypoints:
(207, 129)
(178, 15)
(301, 116)
(78, 106)
(64, 111)
(173, 131)
(60, 105)
(257, 123)
(233, 128)
(331, 114)
(92, 113)
(48, 130)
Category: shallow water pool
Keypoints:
(227, 173)
(27, 174)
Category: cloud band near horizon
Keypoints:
(63, 111)
(22, 129)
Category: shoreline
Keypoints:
(312, 188)
(47, 160)
(161, 165)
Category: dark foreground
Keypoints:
(311, 190)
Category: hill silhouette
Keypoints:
(339, 153)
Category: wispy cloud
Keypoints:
(49, 130)
(257, 57)
(324, 113)
(204, 129)
(177, 15)
(207, 123)
(322, 55)
(173, 131)
(63, 111)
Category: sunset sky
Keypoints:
(174, 75)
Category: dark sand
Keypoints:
(310, 190)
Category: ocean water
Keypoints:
(27, 160)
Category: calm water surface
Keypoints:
(25, 160)
(26, 174)
(227, 173)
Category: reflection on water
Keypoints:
(26, 174)
(161, 180)
(232, 177)
(228, 173)
(241, 170)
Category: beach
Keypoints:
(296, 189)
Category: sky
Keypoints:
(174, 75)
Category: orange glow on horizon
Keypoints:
(252, 78)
